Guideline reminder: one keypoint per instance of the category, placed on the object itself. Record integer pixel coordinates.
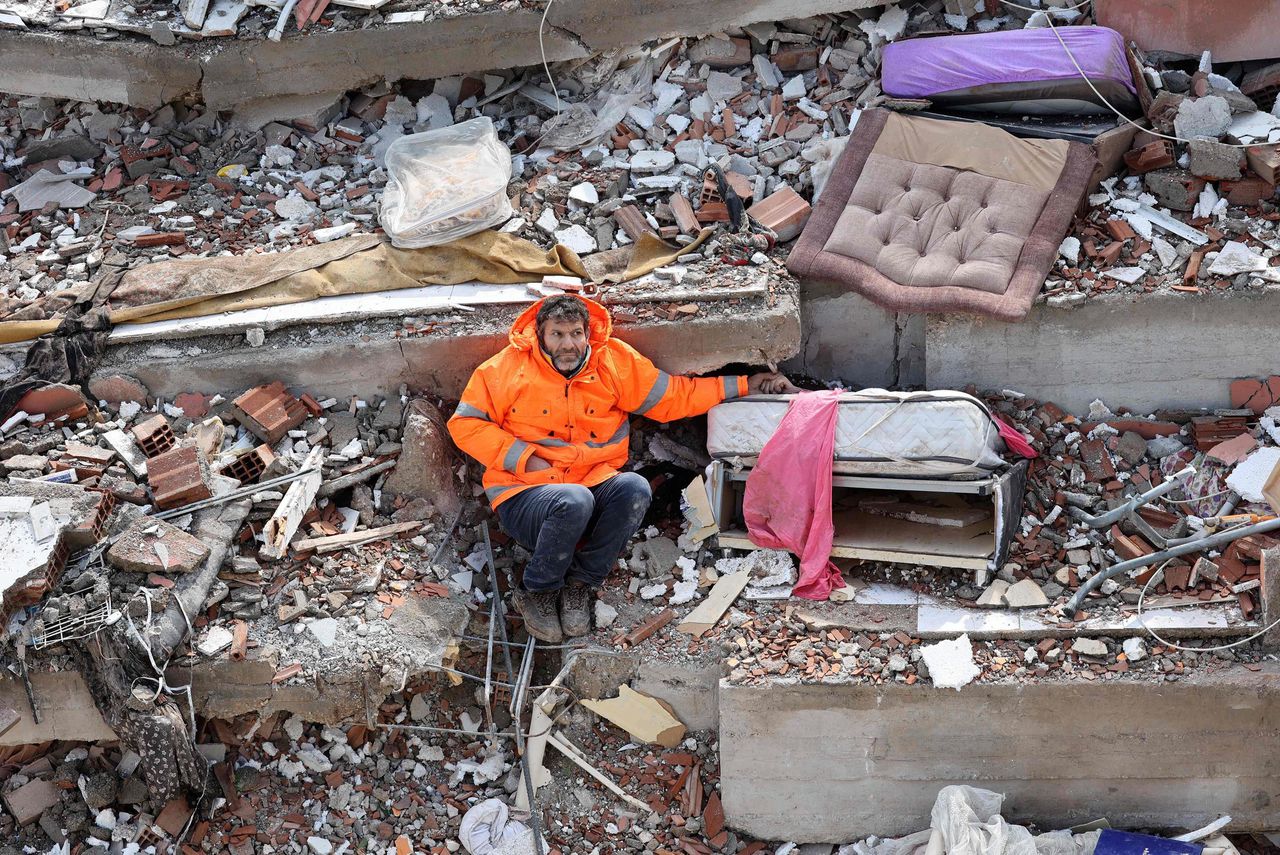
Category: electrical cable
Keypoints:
(542, 25)
(1142, 596)
(1199, 499)
(1103, 98)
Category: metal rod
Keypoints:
(1120, 512)
(238, 493)
(26, 682)
(488, 664)
(1211, 542)
(505, 734)
(535, 821)
(522, 682)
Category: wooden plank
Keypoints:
(295, 504)
(355, 538)
(194, 12)
(858, 530)
(710, 610)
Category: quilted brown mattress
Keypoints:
(925, 215)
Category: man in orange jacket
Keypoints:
(548, 418)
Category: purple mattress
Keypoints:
(1014, 71)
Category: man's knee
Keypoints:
(574, 502)
(634, 491)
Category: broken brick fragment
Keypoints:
(178, 477)
(154, 436)
(269, 412)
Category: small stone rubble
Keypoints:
(618, 151)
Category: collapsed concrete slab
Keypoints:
(368, 358)
(339, 687)
(269, 80)
(62, 65)
(825, 763)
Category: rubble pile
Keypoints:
(1092, 465)
(1194, 207)
(770, 647)
(620, 147)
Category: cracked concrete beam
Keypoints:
(621, 23)
(248, 76)
(66, 65)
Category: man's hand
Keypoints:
(536, 463)
(770, 383)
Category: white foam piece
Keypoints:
(950, 662)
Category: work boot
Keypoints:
(538, 608)
(575, 609)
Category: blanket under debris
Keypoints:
(925, 215)
(363, 264)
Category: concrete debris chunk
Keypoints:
(951, 664)
(1025, 594)
(1208, 118)
(150, 545)
(1090, 647)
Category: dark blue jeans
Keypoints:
(551, 520)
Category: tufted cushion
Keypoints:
(924, 225)
(923, 215)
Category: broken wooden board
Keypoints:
(284, 523)
(956, 517)
(710, 610)
(702, 522)
(647, 719)
(355, 538)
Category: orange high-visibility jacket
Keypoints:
(517, 403)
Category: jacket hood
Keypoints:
(524, 332)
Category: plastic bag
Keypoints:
(583, 124)
(969, 822)
(487, 829)
(445, 184)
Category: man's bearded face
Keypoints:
(565, 342)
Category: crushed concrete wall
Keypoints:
(366, 360)
(829, 763)
(269, 80)
(848, 337)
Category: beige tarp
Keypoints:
(187, 288)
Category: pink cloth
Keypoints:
(788, 499)
(1016, 442)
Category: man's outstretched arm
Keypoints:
(648, 391)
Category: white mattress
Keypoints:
(905, 434)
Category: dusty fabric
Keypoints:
(788, 497)
(973, 147)
(363, 264)
(154, 288)
(644, 256)
(517, 403)
(488, 256)
(936, 237)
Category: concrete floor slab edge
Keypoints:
(862, 760)
(246, 75)
(328, 364)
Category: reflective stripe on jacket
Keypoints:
(517, 403)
